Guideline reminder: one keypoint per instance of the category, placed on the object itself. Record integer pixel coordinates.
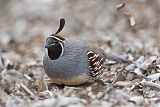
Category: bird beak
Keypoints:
(47, 46)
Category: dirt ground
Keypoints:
(128, 28)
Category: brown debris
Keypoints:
(120, 6)
(131, 18)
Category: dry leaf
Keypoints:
(120, 6)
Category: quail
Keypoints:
(74, 62)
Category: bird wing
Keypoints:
(96, 58)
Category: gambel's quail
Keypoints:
(74, 62)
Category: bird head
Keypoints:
(55, 39)
(55, 43)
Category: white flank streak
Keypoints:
(94, 55)
(89, 52)
(101, 60)
(95, 68)
(95, 63)
(90, 58)
(100, 67)
(92, 71)
(93, 59)
(97, 55)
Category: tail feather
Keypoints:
(117, 59)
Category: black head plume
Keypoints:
(61, 26)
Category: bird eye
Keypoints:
(54, 42)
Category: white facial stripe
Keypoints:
(56, 38)
(62, 48)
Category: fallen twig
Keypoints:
(26, 89)
(151, 84)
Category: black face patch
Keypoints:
(55, 47)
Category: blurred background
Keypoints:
(125, 27)
(25, 24)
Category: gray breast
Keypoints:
(73, 62)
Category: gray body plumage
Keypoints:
(73, 62)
